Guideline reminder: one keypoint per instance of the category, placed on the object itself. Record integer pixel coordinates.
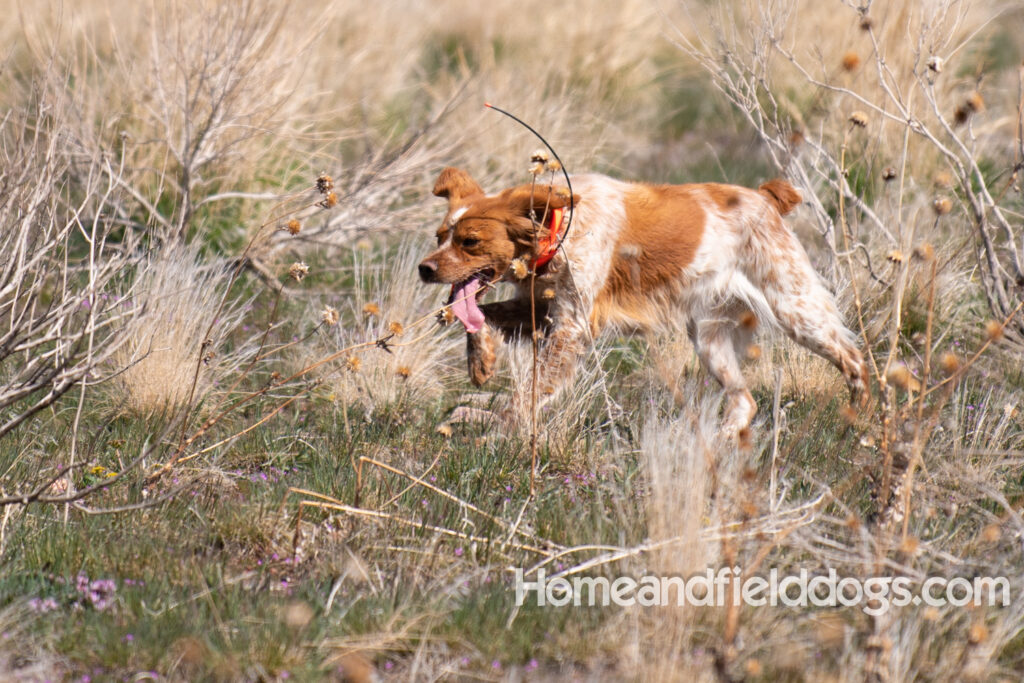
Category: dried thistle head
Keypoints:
(324, 183)
(975, 102)
(859, 119)
(889, 174)
(536, 169)
(850, 61)
(944, 180)
(353, 363)
(445, 316)
(329, 316)
(977, 634)
(993, 330)
(910, 546)
(294, 227)
(519, 268)
(899, 376)
(403, 371)
(924, 252)
(396, 328)
(371, 309)
(553, 166)
(942, 206)
(949, 362)
(298, 271)
(548, 294)
(935, 64)
(866, 23)
(330, 201)
(895, 256)
(539, 156)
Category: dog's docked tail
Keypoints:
(781, 194)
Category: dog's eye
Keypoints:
(470, 241)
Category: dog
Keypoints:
(635, 255)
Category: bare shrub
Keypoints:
(59, 325)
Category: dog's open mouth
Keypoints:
(464, 300)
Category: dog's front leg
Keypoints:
(558, 357)
(480, 355)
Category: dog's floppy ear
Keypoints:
(455, 185)
(526, 197)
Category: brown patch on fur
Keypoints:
(725, 196)
(664, 226)
(781, 194)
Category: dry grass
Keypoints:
(178, 300)
(421, 362)
(174, 136)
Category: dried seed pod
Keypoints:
(924, 252)
(859, 119)
(519, 269)
(942, 205)
(949, 362)
(329, 316)
(298, 271)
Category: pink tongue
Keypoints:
(464, 305)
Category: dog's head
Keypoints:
(481, 235)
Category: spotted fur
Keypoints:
(636, 256)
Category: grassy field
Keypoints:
(225, 440)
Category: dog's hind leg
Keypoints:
(714, 339)
(807, 311)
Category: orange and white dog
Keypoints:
(718, 256)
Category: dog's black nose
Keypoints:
(428, 270)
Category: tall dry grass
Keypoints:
(178, 300)
(420, 363)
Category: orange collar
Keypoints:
(548, 244)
